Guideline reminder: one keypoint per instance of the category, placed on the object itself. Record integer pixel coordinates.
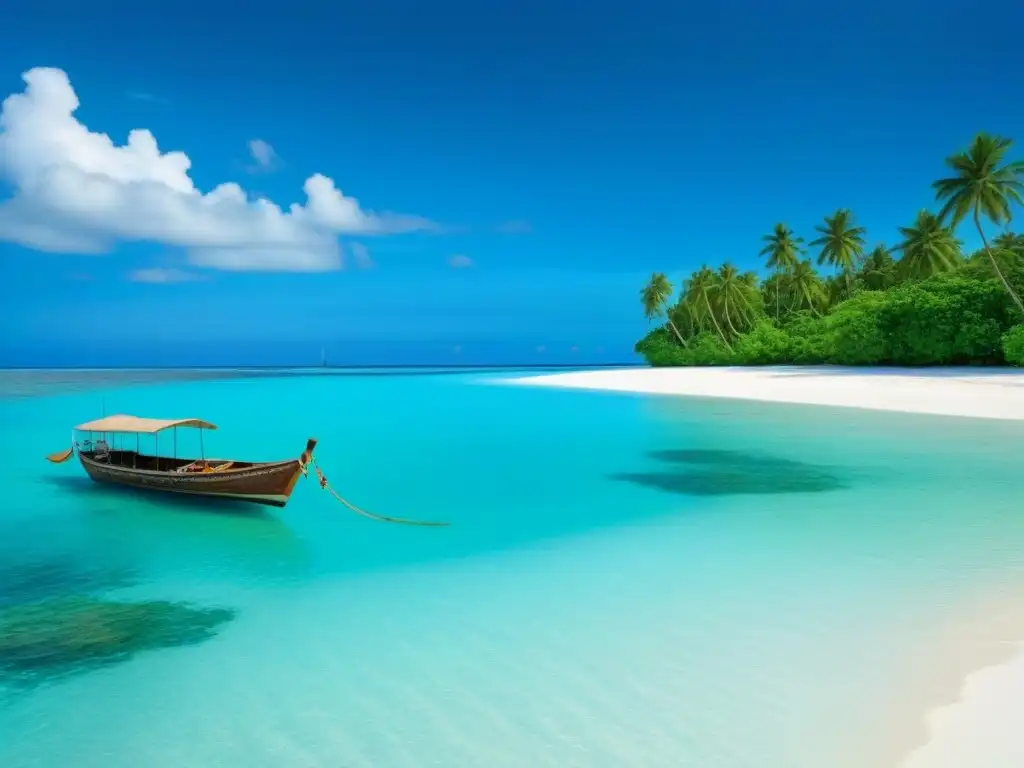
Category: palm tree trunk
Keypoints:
(794, 303)
(677, 333)
(728, 320)
(778, 281)
(995, 265)
(810, 303)
(711, 314)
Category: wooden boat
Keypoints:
(267, 482)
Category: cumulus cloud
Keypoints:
(160, 275)
(77, 191)
(263, 155)
(459, 261)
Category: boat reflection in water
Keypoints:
(177, 535)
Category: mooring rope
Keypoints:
(327, 487)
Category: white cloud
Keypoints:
(263, 155)
(77, 191)
(459, 261)
(161, 275)
(361, 256)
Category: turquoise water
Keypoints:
(627, 580)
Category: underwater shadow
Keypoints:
(56, 620)
(709, 472)
(723, 458)
(187, 504)
(189, 532)
(48, 640)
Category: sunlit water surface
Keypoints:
(626, 580)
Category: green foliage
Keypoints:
(782, 252)
(946, 321)
(807, 338)
(929, 247)
(765, 344)
(1013, 345)
(841, 242)
(930, 307)
(852, 333)
(878, 272)
(1010, 263)
(655, 295)
(659, 350)
(704, 349)
(982, 185)
(807, 291)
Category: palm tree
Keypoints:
(878, 272)
(842, 243)
(980, 185)
(928, 247)
(753, 285)
(699, 290)
(1008, 241)
(733, 291)
(806, 287)
(685, 320)
(655, 296)
(783, 252)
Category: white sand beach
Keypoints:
(948, 392)
(982, 727)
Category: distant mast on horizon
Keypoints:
(323, 357)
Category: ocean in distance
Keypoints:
(627, 580)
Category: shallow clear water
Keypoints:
(626, 580)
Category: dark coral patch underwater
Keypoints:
(706, 472)
(55, 620)
(53, 638)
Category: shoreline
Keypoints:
(980, 727)
(961, 392)
(976, 725)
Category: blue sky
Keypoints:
(562, 151)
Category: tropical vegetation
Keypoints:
(833, 300)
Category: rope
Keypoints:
(327, 487)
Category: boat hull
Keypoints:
(268, 484)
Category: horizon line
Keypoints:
(387, 366)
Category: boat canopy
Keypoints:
(135, 425)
